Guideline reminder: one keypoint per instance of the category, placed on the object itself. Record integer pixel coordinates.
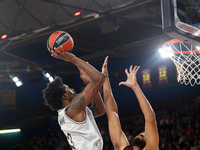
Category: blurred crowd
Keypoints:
(178, 125)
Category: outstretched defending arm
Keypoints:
(151, 131)
(117, 136)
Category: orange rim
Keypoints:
(187, 52)
(172, 42)
(178, 52)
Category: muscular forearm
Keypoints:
(88, 69)
(144, 104)
(109, 101)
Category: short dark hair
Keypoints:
(53, 94)
(139, 143)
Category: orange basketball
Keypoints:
(60, 40)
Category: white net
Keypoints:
(186, 58)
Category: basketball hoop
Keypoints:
(186, 58)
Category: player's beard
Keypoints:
(138, 142)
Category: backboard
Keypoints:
(181, 20)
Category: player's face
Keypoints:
(139, 140)
(70, 92)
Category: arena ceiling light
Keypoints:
(48, 76)
(4, 36)
(77, 13)
(17, 81)
(10, 131)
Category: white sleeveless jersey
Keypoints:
(81, 135)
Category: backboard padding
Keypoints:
(173, 27)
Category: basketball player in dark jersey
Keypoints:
(147, 140)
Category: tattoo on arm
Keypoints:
(78, 102)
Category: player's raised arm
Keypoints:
(117, 136)
(151, 131)
(76, 120)
(87, 95)
(97, 106)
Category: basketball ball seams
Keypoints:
(48, 46)
(60, 40)
(69, 44)
(53, 37)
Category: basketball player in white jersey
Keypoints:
(75, 118)
(147, 140)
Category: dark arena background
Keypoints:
(130, 32)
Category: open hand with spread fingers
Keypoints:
(131, 80)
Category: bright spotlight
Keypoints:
(15, 79)
(9, 131)
(77, 13)
(4, 36)
(48, 76)
(198, 47)
(166, 52)
(18, 83)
